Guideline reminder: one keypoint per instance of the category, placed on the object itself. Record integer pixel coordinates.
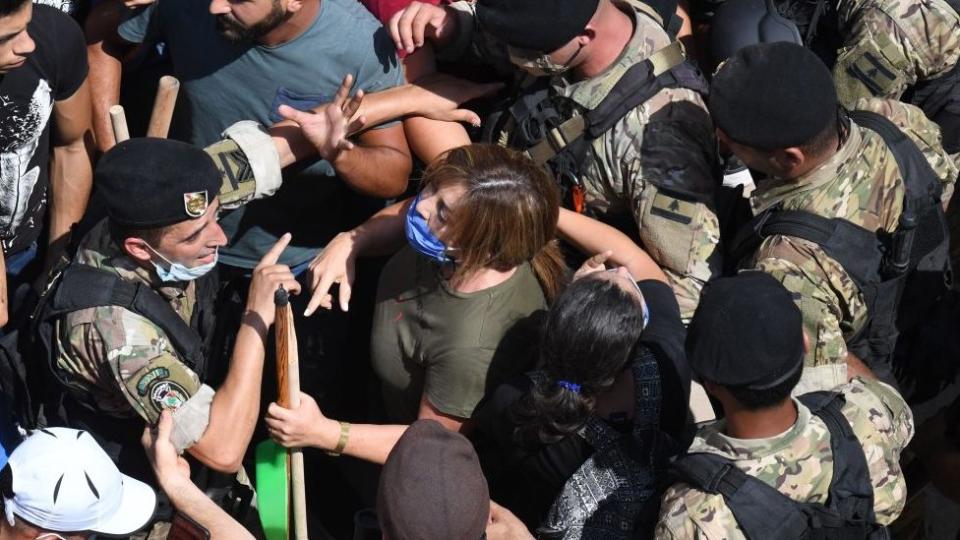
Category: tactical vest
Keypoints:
(763, 512)
(615, 493)
(548, 129)
(80, 286)
(912, 261)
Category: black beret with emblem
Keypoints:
(539, 25)
(148, 183)
(772, 96)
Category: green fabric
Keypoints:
(447, 346)
(273, 490)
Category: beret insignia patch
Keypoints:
(195, 203)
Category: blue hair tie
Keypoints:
(573, 387)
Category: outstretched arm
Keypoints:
(592, 237)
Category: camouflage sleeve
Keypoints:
(668, 173)
(149, 372)
(689, 514)
(924, 132)
(248, 162)
(829, 302)
(883, 424)
(890, 44)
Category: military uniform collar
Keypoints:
(648, 37)
(98, 250)
(711, 439)
(774, 191)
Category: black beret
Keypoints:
(540, 25)
(148, 183)
(431, 486)
(746, 332)
(772, 96)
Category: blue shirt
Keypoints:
(224, 82)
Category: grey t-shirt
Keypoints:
(451, 347)
(223, 83)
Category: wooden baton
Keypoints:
(118, 119)
(288, 381)
(163, 104)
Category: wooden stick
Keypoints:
(163, 105)
(119, 121)
(288, 380)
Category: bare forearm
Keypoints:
(71, 179)
(369, 442)
(376, 108)
(104, 77)
(382, 234)
(188, 499)
(376, 171)
(592, 237)
(233, 413)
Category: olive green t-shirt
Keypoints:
(451, 347)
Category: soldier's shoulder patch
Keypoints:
(673, 207)
(166, 394)
(144, 382)
(195, 203)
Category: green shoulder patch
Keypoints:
(149, 377)
(874, 71)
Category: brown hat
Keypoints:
(432, 487)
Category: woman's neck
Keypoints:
(481, 279)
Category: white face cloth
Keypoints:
(64, 481)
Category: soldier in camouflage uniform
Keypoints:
(767, 433)
(163, 199)
(852, 176)
(903, 49)
(654, 171)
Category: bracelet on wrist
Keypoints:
(342, 443)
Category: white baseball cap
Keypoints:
(63, 481)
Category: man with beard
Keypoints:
(44, 105)
(244, 60)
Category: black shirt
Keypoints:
(527, 480)
(53, 72)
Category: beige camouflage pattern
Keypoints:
(862, 184)
(620, 183)
(895, 44)
(117, 360)
(798, 463)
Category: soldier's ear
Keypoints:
(806, 343)
(137, 249)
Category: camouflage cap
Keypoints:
(746, 332)
(149, 182)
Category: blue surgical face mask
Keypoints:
(179, 272)
(420, 236)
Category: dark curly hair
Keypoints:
(588, 338)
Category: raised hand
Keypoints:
(268, 276)
(328, 127)
(335, 264)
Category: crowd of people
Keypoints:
(561, 269)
